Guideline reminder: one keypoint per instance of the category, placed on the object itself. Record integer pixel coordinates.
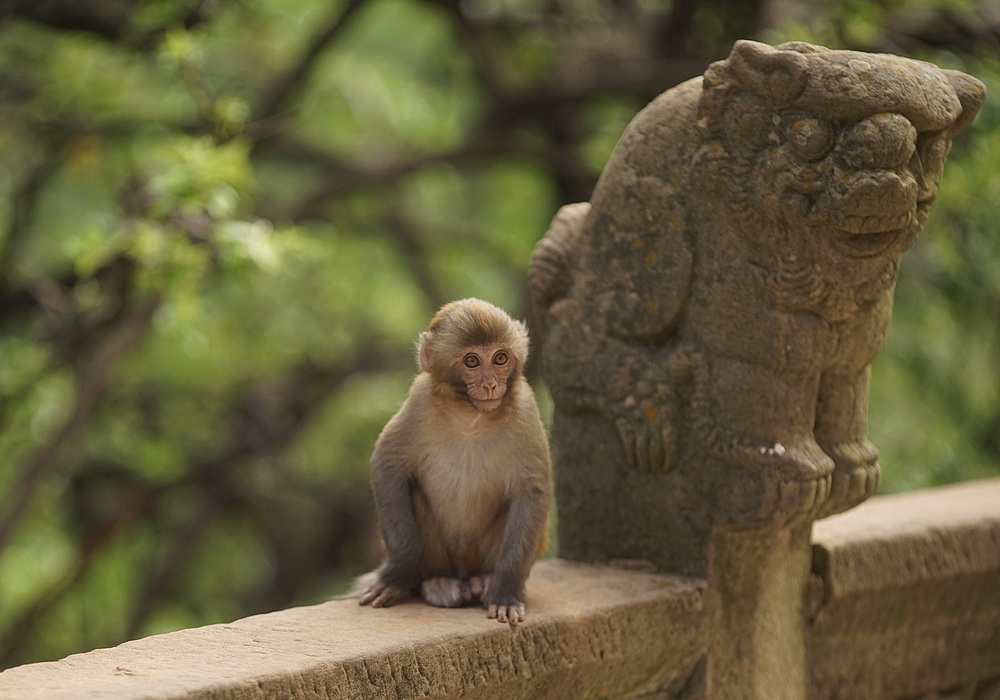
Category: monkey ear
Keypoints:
(424, 350)
(521, 345)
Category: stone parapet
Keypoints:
(591, 632)
(911, 595)
(906, 605)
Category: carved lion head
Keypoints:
(847, 145)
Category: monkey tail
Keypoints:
(360, 585)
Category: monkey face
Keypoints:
(485, 372)
(473, 351)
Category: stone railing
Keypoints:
(706, 325)
(904, 603)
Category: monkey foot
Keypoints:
(480, 586)
(512, 612)
(446, 592)
(382, 595)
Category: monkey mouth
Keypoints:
(486, 405)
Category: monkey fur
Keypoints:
(461, 474)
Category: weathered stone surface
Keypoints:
(590, 633)
(909, 609)
(708, 319)
(911, 596)
(755, 614)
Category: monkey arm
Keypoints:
(523, 530)
(400, 572)
(392, 488)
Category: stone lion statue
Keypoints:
(707, 321)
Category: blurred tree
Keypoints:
(223, 223)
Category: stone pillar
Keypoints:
(707, 323)
(756, 613)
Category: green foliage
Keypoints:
(936, 387)
(223, 224)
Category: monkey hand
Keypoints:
(505, 608)
(382, 594)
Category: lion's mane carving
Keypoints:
(720, 299)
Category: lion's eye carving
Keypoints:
(811, 138)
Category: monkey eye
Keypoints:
(471, 361)
(500, 358)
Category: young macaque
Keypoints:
(461, 474)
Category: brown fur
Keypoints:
(461, 474)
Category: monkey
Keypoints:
(461, 474)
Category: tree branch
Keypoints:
(159, 575)
(127, 512)
(111, 21)
(23, 206)
(93, 378)
(277, 96)
(107, 20)
(271, 416)
(342, 179)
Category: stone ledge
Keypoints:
(590, 632)
(911, 606)
(910, 537)
(911, 594)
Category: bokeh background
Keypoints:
(223, 223)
